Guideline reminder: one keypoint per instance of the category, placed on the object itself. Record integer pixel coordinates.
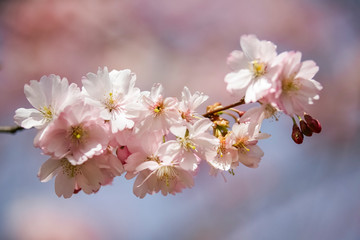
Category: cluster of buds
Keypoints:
(307, 128)
(109, 127)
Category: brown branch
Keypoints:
(10, 129)
(208, 114)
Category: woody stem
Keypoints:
(10, 129)
(208, 114)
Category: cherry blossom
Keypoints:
(189, 103)
(253, 73)
(163, 175)
(248, 152)
(296, 88)
(115, 94)
(70, 178)
(256, 115)
(77, 134)
(224, 159)
(159, 113)
(192, 143)
(49, 97)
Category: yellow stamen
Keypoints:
(166, 173)
(241, 145)
(47, 113)
(258, 68)
(289, 85)
(77, 132)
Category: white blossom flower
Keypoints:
(115, 95)
(49, 97)
(159, 113)
(253, 74)
(193, 142)
(189, 103)
(245, 142)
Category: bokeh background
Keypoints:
(308, 191)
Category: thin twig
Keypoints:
(208, 114)
(10, 129)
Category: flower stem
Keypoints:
(208, 114)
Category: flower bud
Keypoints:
(313, 124)
(305, 129)
(123, 153)
(297, 135)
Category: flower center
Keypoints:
(69, 169)
(186, 143)
(47, 113)
(153, 158)
(290, 85)
(166, 173)
(77, 133)
(270, 111)
(241, 145)
(222, 148)
(258, 68)
(110, 103)
(159, 107)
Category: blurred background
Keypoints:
(308, 191)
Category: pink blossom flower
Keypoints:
(253, 74)
(122, 153)
(49, 97)
(224, 159)
(77, 134)
(255, 116)
(192, 143)
(115, 95)
(159, 113)
(189, 103)
(162, 175)
(110, 165)
(70, 178)
(248, 152)
(296, 89)
(142, 150)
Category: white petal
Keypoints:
(28, 118)
(237, 60)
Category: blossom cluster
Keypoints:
(109, 126)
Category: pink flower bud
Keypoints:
(297, 135)
(305, 129)
(313, 124)
(122, 154)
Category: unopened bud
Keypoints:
(123, 153)
(313, 124)
(305, 129)
(222, 122)
(77, 190)
(297, 135)
(213, 107)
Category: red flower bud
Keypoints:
(305, 129)
(313, 124)
(297, 135)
